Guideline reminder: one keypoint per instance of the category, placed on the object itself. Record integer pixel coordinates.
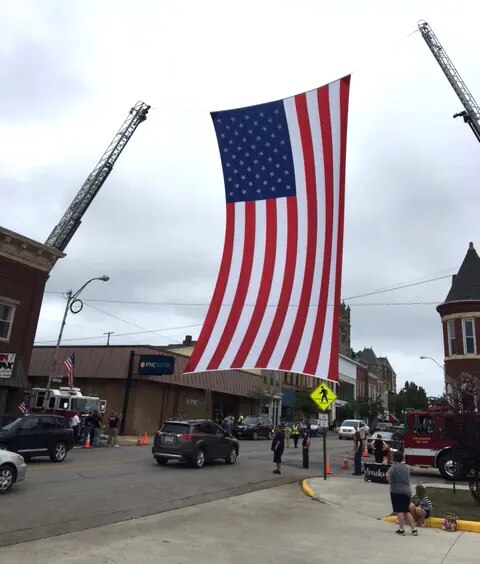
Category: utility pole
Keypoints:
(108, 333)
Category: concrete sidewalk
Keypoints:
(274, 526)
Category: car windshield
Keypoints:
(250, 421)
(386, 436)
(176, 428)
(12, 425)
(350, 423)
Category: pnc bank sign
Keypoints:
(155, 365)
(7, 362)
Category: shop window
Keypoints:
(469, 336)
(452, 343)
(7, 312)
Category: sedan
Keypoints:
(12, 469)
(254, 428)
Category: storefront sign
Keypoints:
(7, 361)
(155, 365)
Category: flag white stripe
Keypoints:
(253, 287)
(230, 290)
(325, 350)
(300, 263)
(305, 343)
(276, 287)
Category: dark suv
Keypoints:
(38, 435)
(193, 442)
(254, 427)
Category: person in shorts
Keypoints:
(278, 446)
(398, 476)
(421, 506)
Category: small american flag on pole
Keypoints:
(69, 364)
(276, 301)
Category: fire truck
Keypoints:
(426, 442)
(64, 401)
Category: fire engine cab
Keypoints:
(426, 442)
(64, 401)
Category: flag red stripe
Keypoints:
(344, 90)
(326, 129)
(218, 293)
(289, 272)
(242, 288)
(265, 284)
(309, 166)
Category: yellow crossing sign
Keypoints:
(323, 396)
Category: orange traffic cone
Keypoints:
(345, 462)
(140, 440)
(365, 451)
(87, 442)
(329, 470)
(145, 439)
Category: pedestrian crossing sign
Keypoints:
(323, 396)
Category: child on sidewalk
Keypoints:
(421, 506)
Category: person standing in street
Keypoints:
(113, 422)
(379, 449)
(357, 453)
(75, 425)
(398, 476)
(288, 432)
(96, 430)
(306, 448)
(295, 434)
(278, 446)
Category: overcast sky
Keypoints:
(70, 71)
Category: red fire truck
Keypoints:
(64, 401)
(426, 443)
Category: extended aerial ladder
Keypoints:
(70, 222)
(471, 114)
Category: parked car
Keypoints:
(38, 435)
(349, 426)
(194, 442)
(12, 469)
(254, 428)
(314, 426)
(386, 438)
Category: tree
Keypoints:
(411, 396)
(304, 403)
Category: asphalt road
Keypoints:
(101, 486)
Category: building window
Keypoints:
(468, 336)
(6, 321)
(452, 344)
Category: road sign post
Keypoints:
(323, 396)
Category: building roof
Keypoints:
(466, 283)
(383, 360)
(368, 357)
(112, 363)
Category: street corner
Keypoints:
(438, 523)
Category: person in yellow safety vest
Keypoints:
(295, 434)
(288, 433)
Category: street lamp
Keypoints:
(437, 363)
(75, 306)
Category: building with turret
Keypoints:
(460, 315)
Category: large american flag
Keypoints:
(69, 364)
(276, 301)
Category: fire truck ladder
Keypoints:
(70, 222)
(471, 114)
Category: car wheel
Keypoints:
(60, 452)
(7, 478)
(232, 456)
(447, 467)
(340, 437)
(254, 435)
(161, 461)
(199, 460)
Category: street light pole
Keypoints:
(442, 368)
(71, 299)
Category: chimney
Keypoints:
(187, 341)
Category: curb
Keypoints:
(306, 489)
(437, 522)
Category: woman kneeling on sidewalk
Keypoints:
(398, 477)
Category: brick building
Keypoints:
(24, 269)
(460, 315)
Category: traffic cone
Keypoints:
(345, 462)
(140, 440)
(329, 470)
(365, 451)
(87, 442)
(145, 439)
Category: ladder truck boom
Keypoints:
(70, 222)
(471, 113)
